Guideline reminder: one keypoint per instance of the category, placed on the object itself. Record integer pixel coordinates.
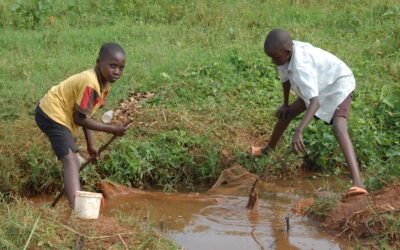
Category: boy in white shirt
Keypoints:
(324, 86)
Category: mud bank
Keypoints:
(367, 218)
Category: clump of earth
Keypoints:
(365, 216)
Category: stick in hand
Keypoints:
(86, 163)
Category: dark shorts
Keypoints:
(342, 110)
(60, 136)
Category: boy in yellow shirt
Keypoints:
(71, 103)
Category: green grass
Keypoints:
(205, 61)
(27, 226)
(215, 88)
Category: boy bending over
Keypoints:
(323, 84)
(71, 103)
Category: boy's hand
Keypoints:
(119, 130)
(93, 152)
(297, 142)
(282, 111)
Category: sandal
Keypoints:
(258, 151)
(353, 191)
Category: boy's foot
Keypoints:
(258, 151)
(353, 191)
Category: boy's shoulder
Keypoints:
(306, 53)
(85, 78)
(302, 44)
(305, 48)
(89, 74)
(308, 58)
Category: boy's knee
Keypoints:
(287, 118)
(284, 120)
(339, 127)
(70, 161)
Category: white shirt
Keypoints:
(315, 72)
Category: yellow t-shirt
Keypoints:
(81, 92)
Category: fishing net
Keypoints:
(113, 190)
(235, 180)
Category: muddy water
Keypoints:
(228, 225)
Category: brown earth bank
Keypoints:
(106, 232)
(372, 218)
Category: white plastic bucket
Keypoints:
(87, 204)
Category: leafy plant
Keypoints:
(170, 159)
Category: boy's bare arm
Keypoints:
(286, 91)
(282, 110)
(90, 144)
(297, 142)
(85, 122)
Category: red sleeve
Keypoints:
(86, 101)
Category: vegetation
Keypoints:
(215, 89)
(25, 226)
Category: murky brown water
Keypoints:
(227, 224)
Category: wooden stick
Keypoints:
(287, 224)
(126, 246)
(85, 164)
(253, 196)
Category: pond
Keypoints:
(227, 224)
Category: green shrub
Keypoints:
(171, 159)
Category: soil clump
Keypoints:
(373, 216)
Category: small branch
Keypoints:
(347, 228)
(126, 246)
(32, 231)
(253, 196)
(287, 224)
(370, 232)
(388, 211)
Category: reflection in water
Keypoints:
(227, 224)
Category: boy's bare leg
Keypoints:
(342, 136)
(296, 108)
(71, 176)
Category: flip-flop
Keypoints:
(255, 151)
(353, 191)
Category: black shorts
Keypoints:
(60, 136)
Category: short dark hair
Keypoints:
(110, 48)
(276, 38)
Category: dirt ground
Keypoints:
(109, 231)
(373, 216)
(102, 233)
